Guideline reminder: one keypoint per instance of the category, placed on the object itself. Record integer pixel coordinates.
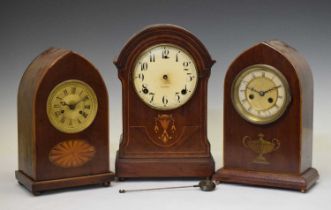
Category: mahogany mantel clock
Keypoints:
(268, 118)
(62, 123)
(164, 71)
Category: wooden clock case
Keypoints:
(139, 154)
(289, 166)
(36, 135)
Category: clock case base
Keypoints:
(301, 182)
(37, 187)
(164, 167)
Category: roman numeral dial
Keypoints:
(72, 106)
(165, 76)
(261, 94)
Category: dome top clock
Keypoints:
(164, 70)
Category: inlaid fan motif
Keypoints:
(71, 153)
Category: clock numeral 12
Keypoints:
(73, 90)
(165, 54)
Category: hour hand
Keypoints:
(252, 89)
(261, 93)
(63, 103)
(71, 106)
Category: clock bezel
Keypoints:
(84, 124)
(156, 46)
(238, 106)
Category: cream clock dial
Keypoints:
(72, 106)
(260, 94)
(165, 77)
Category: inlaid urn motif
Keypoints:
(261, 146)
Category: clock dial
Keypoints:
(165, 77)
(260, 94)
(72, 106)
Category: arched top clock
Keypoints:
(268, 118)
(62, 123)
(164, 71)
(164, 34)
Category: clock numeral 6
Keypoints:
(164, 100)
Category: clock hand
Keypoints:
(271, 89)
(261, 93)
(72, 106)
(82, 99)
(63, 103)
(252, 89)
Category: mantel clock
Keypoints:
(268, 119)
(62, 123)
(164, 71)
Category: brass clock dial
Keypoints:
(72, 106)
(260, 94)
(165, 76)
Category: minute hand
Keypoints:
(271, 89)
(80, 100)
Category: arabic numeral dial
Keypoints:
(165, 77)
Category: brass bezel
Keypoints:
(84, 124)
(155, 46)
(238, 106)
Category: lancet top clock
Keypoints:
(62, 123)
(164, 71)
(268, 117)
